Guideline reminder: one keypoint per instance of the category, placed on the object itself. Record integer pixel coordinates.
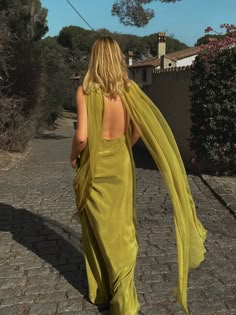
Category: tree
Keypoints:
(207, 38)
(54, 88)
(38, 20)
(132, 12)
(11, 113)
(77, 42)
(27, 23)
(22, 24)
(5, 52)
(27, 19)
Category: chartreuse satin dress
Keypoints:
(105, 197)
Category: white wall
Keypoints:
(185, 61)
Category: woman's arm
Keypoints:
(135, 133)
(81, 134)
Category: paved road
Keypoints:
(41, 261)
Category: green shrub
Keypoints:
(213, 105)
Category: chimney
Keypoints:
(161, 44)
(130, 54)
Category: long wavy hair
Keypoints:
(106, 69)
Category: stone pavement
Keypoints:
(224, 188)
(41, 262)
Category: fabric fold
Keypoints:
(160, 142)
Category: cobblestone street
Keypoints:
(41, 262)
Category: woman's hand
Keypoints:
(73, 161)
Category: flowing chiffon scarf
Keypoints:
(159, 140)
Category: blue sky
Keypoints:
(185, 20)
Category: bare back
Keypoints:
(116, 119)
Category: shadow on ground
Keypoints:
(50, 136)
(44, 237)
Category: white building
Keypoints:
(141, 71)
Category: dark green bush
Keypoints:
(53, 92)
(213, 109)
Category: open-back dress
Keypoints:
(105, 196)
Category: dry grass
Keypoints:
(11, 159)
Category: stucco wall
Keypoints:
(167, 63)
(185, 61)
(170, 92)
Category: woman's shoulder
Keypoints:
(80, 89)
(80, 92)
(80, 95)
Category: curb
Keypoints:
(227, 197)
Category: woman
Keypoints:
(112, 114)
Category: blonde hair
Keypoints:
(107, 68)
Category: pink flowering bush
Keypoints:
(213, 103)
